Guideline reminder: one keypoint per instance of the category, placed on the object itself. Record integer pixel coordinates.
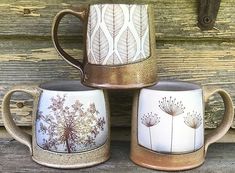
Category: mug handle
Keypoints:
(8, 121)
(54, 32)
(227, 121)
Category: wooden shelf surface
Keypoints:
(14, 157)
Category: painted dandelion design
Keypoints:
(69, 129)
(171, 106)
(150, 120)
(174, 108)
(194, 121)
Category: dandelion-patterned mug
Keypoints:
(168, 125)
(119, 45)
(70, 124)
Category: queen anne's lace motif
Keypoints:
(73, 128)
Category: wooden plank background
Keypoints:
(184, 52)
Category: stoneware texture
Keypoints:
(70, 124)
(119, 51)
(167, 125)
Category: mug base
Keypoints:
(167, 162)
(129, 76)
(71, 160)
(114, 86)
(73, 166)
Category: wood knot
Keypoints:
(20, 104)
(26, 11)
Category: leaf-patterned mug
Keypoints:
(119, 45)
(168, 125)
(70, 124)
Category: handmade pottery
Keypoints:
(70, 124)
(168, 125)
(120, 45)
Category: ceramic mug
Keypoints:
(168, 125)
(119, 48)
(70, 124)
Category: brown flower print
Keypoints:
(171, 106)
(194, 121)
(70, 126)
(150, 120)
(174, 108)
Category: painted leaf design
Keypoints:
(127, 46)
(114, 19)
(140, 20)
(92, 20)
(129, 10)
(146, 46)
(91, 59)
(100, 46)
(101, 11)
(140, 56)
(113, 59)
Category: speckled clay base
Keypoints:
(137, 75)
(71, 161)
(166, 162)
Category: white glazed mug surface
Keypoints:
(117, 34)
(70, 118)
(171, 117)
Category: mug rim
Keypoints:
(65, 86)
(174, 86)
(121, 3)
(141, 2)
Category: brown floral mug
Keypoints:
(168, 125)
(70, 124)
(119, 45)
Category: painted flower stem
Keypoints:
(172, 127)
(150, 138)
(194, 121)
(67, 145)
(194, 139)
(149, 120)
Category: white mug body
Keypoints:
(71, 126)
(171, 118)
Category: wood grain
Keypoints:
(33, 61)
(14, 157)
(175, 19)
(183, 52)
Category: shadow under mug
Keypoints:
(70, 124)
(119, 49)
(168, 125)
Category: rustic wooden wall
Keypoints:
(183, 51)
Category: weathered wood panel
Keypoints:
(14, 157)
(122, 134)
(35, 61)
(175, 19)
(184, 52)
